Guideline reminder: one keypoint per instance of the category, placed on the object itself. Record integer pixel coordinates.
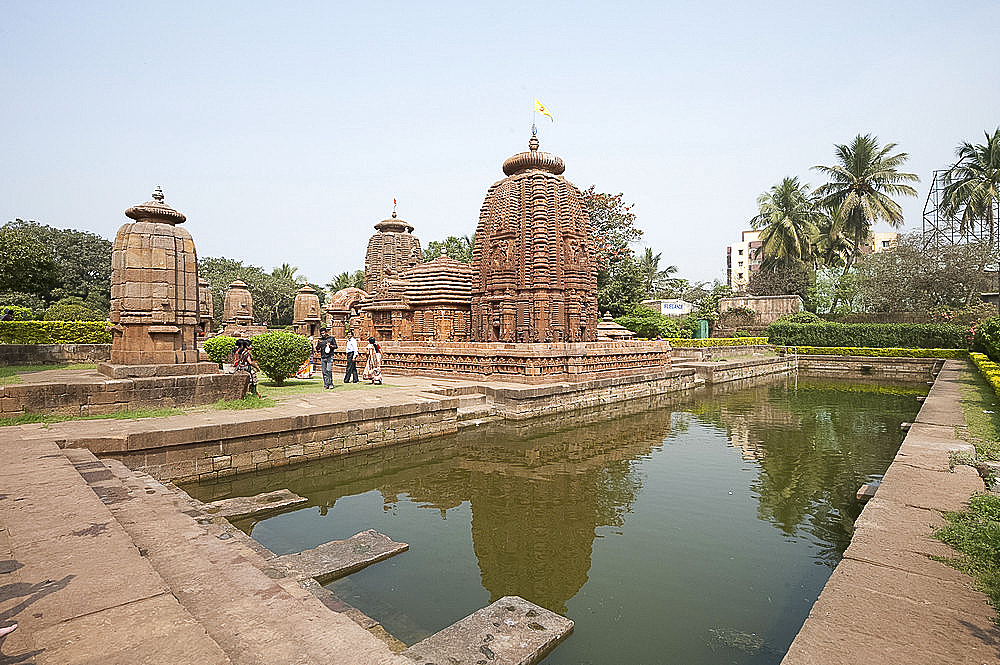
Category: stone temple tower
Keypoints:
(534, 273)
(393, 248)
(154, 288)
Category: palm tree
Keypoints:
(288, 272)
(861, 186)
(972, 187)
(654, 280)
(972, 184)
(831, 245)
(789, 217)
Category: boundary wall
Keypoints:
(53, 354)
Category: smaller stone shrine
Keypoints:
(428, 302)
(392, 249)
(206, 307)
(237, 312)
(155, 311)
(343, 312)
(307, 314)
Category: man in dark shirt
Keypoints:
(326, 345)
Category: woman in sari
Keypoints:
(243, 362)
(373, 366)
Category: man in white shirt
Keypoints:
(352, 354)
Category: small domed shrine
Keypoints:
(535, 277)
(154, 288)
(306, 313)
(391, 250)
(237, 308)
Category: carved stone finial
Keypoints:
(158, 194)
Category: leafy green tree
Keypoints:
(612, 225)
(82, 264)
(789, 278)
(655, 282)
(27, 263)
(280, 353)
(861, 187)
(26, 300)
(905, 279)
(789, 216)
(346, 280)
(273, 297)
(70, 311)
(288, 273)
(619, 286)
(220, 348)
(457, 248)
(831, 245)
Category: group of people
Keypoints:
(327, 345)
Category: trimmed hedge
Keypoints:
(688, 343)
(988, 337)
(871, 335)
(280, 353)
(948, 354)
(989, 369)
(54, 332)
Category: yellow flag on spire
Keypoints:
(540, 108)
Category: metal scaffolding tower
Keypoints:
(940, 230)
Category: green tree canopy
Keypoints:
(458, 248)
(273, 296)
(58, 264)
(346, 280)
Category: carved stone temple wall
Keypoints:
(535, 275)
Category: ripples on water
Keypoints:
(700, 530)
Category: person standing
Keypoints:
(326, 345)
(352, 355)
(373, 366)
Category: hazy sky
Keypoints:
(283, 130)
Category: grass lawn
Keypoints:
(982, 415)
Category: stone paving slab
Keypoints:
(511, 631)
(260, 504)
(871, 619)
(338, 558)
(255, 619)
(69, 572)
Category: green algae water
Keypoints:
(699, 530)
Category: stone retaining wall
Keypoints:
(107, 396)
(737, 370)
(197, 453)
(863, 368)
(52, 354)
